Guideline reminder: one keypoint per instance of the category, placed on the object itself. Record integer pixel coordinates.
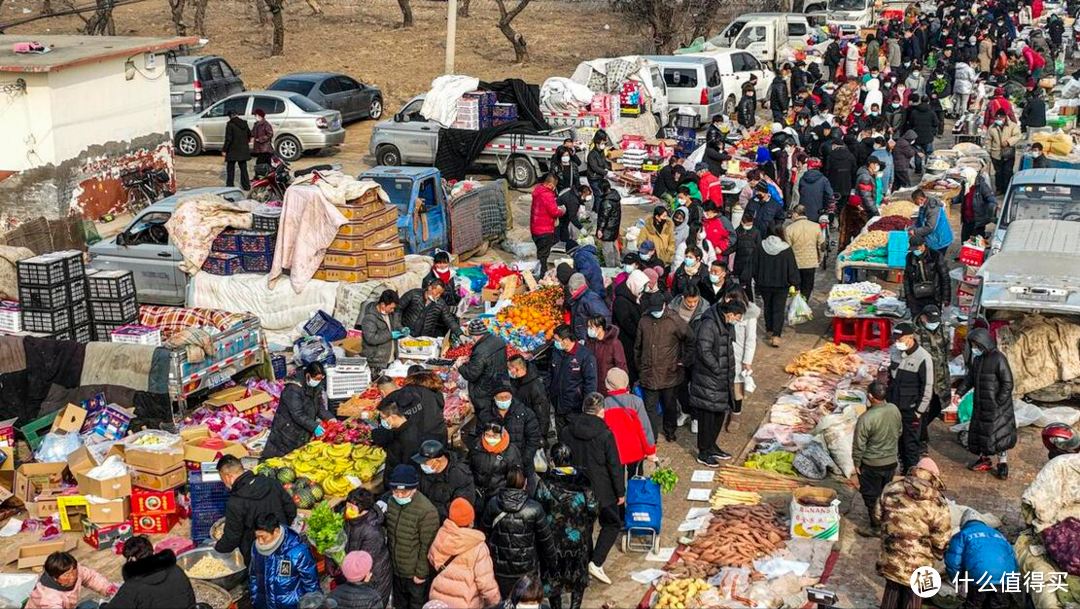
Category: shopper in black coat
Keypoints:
(151, 581)
(425, 312)
(923, 120)
(443, 476)
(365, 531)
(411, 415)
(840, 169)
(775, 273)
(518, 420)
(746, 111)
(748, 240)
(626, 314)
(484, 368)
(667, 179)
(609, 219)
(250, 497)
(573, 376)
(992, 431)
(712, 385)
(779, 97)
(926, 277)
(237, 150)
(300, 413)
(518, 534)
(596, 455)
(573, 199)
(529, 391)
(1034, 113)
(491, 458)
(815, 191)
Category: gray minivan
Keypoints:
(197, 82)
(692, 82)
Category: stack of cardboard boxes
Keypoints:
(367, 246)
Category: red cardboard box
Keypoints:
(104, 536)
(146, 500)
(972, 255)
(154, 524)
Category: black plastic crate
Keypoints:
(124, 311)
(80, 314)
(83, 334)
(266, 223)
(51, 269)
(37, 298)
(65, 335)
(110, 285)
(256, 263)
(49, 322)
(103, 330)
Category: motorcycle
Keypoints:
(273, 179)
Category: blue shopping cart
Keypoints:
(644, 514)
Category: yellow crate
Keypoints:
(386, 234)
(347, 245)
(386, 271)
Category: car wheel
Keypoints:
(520, 173)
(729, 106)
(289, 148)
(388, 155)
(375, 109)
(188, 144)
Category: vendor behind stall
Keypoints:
(440, 269)
(409, 416)
(381, 326)
(425, 312)
(300, 412)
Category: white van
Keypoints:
(762, 34)
(850, 15)
(692, 82)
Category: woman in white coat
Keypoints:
(744, 347)
(851, 63)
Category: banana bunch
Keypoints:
(330, 466)
(337, 486)
(723, 497)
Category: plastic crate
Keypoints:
(51, 298)
(65, 335)
(110, 285)
(134, 334)
(35, 430)
(103, 330)
(257, 263)
(324, 325)
(10, 317)
(686, 121)
(83, 334)
(222, 264)
(227, 242)
(265, 223)
(49, 322)
(280, 366)
(257, 242)
(80, 314)
(124, 311)
(50, 269)
(342, 384)
(898, 241)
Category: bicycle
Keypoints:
(145, 186)
(825, 222)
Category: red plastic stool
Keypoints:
(874, 332)
(845, 330)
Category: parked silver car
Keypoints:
(146, 249)
(354, 99)
(300, 125)
(196, 82)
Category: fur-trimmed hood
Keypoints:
(153, 568)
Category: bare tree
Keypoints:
(667, 21)
(200, 16)
(406, 13)
(463, 8)
(98, 24)
(176, 7)
(278, 47)
(521, 50)
(260, 10)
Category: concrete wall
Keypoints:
(75, 131)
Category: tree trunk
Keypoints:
(260, 10)
(98, 24)
(177, 9)
(46, 7)
(521, 50)
(406, 13)
(200, 16)
(463, 8)
(276, 18)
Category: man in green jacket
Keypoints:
(875, 451)
(411, 524)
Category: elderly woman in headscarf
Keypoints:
(846, 98)
(626, 313)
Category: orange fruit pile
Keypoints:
(537, 312)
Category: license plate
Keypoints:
(177, 98)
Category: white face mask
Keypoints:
(629, 268)
(565, 160)
(646, 256)
(657, 314)
(933, 325)
(900, 346)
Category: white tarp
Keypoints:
(564, 95)
(440, 103)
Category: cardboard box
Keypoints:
(112, 488)
(195, 453)
(154, 524)
(70, 419)
(81, 461)
(72, 510)
(147, 500)
(155, 462)
(7, 487)
(47, 502)
(7, 432)
(108, 512)
(159, 482)
(34, 554)
(508, 286)
(351, 345)
(9, 459)
(815, 514)
(225, 396)
(33, 478)
(256, 400)
(104, 536)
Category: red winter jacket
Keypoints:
(545, 210)
(711, 189)
(1034, 60)
(717, 235)
(629, 434)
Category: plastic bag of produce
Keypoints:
(1062, 542)
(1026, 413)
(838, 431)
(813, 461)
(798, 310)
(55, 447)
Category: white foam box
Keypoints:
(135, 334)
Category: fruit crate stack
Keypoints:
(348, 377)
(475, 110)
(112, 301)
(153, 511)
(208, 498)
(242, 250)
(52, 296)
(367, 246)
(502, 114)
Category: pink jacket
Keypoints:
(42, 597)
(468, 579)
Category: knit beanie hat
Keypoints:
(477, 327)
(356, 566)
(928, 464)
(617, 378)
(461, 512)
(577, 284)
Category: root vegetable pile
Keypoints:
(677, 593)
(737, 536)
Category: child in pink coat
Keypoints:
(61, 585)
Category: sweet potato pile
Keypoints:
(737, 536)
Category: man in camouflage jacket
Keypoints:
(915, 530)
(934, 337)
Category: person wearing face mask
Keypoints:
(661, 349)
(764, 208)
(691, 273)
(573, 376)
(597, 164)
(711, 389)
(748, 240)
(626, 314)
(584, 305)
(880, 151)
(410, 416)
(775, 274)
(411, 525)
(250, 497)
(746, 111)
(911, 388)
(365, 532)
(992, 431)
(576, 201)
(1038, 159)
(926, 276)
(661, 232)
(895, 114)
(1033, 116)
(543, 217)
(608, 222)
(484, 367)
(520, 424)
(934, 337)
(717, 283)
(301, 410)
(833, 58)
(282, 569)
(443, 476)
(491, 458)
(425, 313)
(603, 341)
(381, 325)
(999, 103)
(932, 223)
(667, 179)
(529, 391)
(440, 269)
(565, 164)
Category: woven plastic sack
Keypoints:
(813, 461)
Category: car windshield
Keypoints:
(846, 5)
(303, 87)
(179, 74)
(306, 104)
(727, 37)
(1044, 202)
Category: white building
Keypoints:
(73, 119)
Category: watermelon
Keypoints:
(317, 492)
(286, 474)
(303, 498)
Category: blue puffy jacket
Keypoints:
(279, 580)
(582, 308)
(979, 550)
(936, 231)
(586, 263)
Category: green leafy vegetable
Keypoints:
(666, 478)
(325, 527)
